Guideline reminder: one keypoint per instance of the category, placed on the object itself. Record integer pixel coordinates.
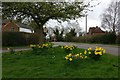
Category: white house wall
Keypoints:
(25, 30)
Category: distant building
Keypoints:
(11, 26)
(95, 31)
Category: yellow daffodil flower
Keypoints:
(85, 52)
(104, 51)
(70, 59)
(80, 53)
(89, 49)
(85, 57)
(66, 58)
(89, 52)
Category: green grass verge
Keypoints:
(51, 64)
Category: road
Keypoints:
(109, 48)
(18, 49)
(15, 50)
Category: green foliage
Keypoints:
(108, 38)
(72, 32)
(69, 36)
(58, 35)
(19, 38)
(41, 12)
(118, 39)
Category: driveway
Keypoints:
(109, 48)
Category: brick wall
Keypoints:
(10, 26)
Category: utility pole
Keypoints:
(86, 23)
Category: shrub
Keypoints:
(19, 38)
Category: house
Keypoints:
(10, 25)
(95, 31)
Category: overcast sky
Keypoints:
(93, 16)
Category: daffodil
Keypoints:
(85, 52)
(70, 54)
(80, 53)
(100, 53)
(66, 58)
(70, 59)
(62, 47)
(85, 57)
(39, 46)
(104, 51)
(89, 52)
(89, 49)
(32, 45)
(77, 54)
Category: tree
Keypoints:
(111, 17)
(41, 12)
(73, 28)
(58, 34)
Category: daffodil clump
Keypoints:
(88, 53)
(96, 53)
(68, 49)
(71, 57)
(39, 48)
(46, 45)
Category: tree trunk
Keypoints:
(39, 31)
(114, 29)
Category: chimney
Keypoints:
(96, 26)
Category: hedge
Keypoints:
(108, 38)
(118, 39)
(19, 38)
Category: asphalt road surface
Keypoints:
(112, 49)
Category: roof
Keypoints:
(96, 30)
(20, 25)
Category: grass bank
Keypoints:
(52, 64)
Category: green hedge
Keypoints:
(19, 38)
(108, 38)
(118, 39)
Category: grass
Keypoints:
(51, 64)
